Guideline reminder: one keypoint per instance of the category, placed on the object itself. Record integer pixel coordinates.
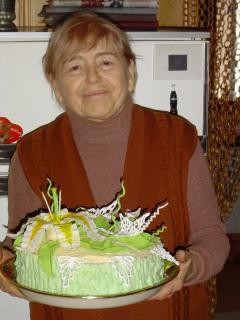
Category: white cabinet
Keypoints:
(26, 97)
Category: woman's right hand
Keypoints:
(5, 284)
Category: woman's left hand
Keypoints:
(185, 267)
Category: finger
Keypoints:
(170, 295)
(176, 284)
(12, 290)
(185, 266)
(8, 287)
(182, 255)
(170, 288)
(165, 291)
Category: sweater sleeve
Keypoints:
(208, 240)
(21, 198)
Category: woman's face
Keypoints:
(95, 84)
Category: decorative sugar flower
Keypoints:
(56, 224)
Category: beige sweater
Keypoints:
(102, 147)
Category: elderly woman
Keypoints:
(103, 136)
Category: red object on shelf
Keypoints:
(9, 132)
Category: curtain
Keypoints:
(224, 105)
(221, 18)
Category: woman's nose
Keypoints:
(92, 74)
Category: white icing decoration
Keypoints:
(105, 211)
(163, 253)
(53, 231)
(62, 239)
(133, 214)
(123, 266)
(133, 227)
(131, 223)
(68, 267)
(33, 244)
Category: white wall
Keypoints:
(12, 308)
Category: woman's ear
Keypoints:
(132, 76)
(56, 90)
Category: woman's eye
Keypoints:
(106, 63)
(73, 67)
(76, 67)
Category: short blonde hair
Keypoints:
(83, 30)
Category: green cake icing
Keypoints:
(90, 252)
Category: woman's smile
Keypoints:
(96, 93)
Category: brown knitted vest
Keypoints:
(159, 149)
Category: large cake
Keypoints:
(90, 252)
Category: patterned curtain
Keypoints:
(190, 13)
(222, 19)
(224, 106)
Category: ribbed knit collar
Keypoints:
(89, 131)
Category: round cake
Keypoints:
(90, 252)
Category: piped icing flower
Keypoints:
(96, 223)
(56, 224)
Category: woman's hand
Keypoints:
(185, 267)
(5, 284)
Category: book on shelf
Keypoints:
(106, 3)
(138, 25)
(47, 10)
(52, 21)
(131, 18)
(114, 17)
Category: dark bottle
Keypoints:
(173, 100)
